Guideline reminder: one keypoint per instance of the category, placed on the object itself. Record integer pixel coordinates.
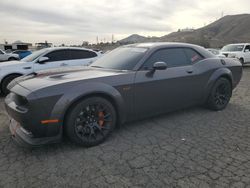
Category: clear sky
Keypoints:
(74, 21)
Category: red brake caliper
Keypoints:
(101, 118)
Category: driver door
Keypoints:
(247, 54)
(166, 90)
(57, 59)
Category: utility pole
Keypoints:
(97, 40)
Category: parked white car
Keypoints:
(8, 57)
(239, 51)
(45, 59)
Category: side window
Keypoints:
(247, 48)
(59, 55)
(172, 57)
(192, 55)
(82, 54)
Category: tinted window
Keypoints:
(192, 55)
(59, 55)
(247, 47)
(172, 57)
(232, 48)
(82, 54)
(123, 58)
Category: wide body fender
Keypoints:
(221, 72)
(79, 91)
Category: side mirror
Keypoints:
(156, 66)
(247, 50)
(43, 60)
(160, 66)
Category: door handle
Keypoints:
(64, 64)
(26, 67)
(190, 71)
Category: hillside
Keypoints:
(133, 39)
(229, 29)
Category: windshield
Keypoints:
(123, 58)
(232, 48)
(34, 55)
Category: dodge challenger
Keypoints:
(129, 83)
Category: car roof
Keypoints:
(67, 48)
(159, 45)
(239, 44)
(162, 44)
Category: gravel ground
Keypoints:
(189, 148)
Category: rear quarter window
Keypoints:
(193, 56)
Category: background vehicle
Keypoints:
(216, 52)
(129, 83)
(8, 57)
(239, 51)
(45, 59)
(22, 53)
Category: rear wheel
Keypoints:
(11, 59)
(6, 82)
(220, 94)
(90, 121)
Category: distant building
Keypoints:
(45, 44)
(187, 30)
(17, 45)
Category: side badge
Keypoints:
(126, 88)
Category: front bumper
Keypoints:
(25, 139)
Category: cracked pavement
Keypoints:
(190, 148)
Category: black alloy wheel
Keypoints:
(91, 121)
(220, 94)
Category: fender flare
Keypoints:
(78, 92)
(222, 72)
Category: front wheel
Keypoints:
(242, 61)
(12, 59)
(220, 94)
(6, 82)
(90, 121)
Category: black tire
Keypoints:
(220, 95)
(12, 59)
(242, 61)
(86, 123)
(6, 82)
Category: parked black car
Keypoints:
(130, 82)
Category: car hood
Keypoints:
(52, 77)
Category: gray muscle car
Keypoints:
(129, 83)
